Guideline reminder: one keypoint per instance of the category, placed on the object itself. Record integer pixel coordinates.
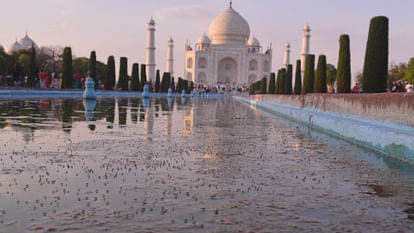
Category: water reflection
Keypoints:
(212, 165)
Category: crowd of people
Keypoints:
(400, 86)
(42, 79)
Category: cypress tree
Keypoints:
(298, 79)
(288, 82)
(172, 86)
(179, 87)
(123, 74)
(283, 81)
(185, 85)
(166, 82)
(272, 84)
(278, 89)
(32, 68)
(157, 81)
(110, 74)
(251, 89)
(143, 77)
(374, 77)
(67, 75)
(263, 86)
(190, 87)
(343, 76)
(320, 77)
(92, 65)
(309, 79)
(135, 77)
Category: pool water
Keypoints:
(187, 165)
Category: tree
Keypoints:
(396, 72)
(309, 76)
(190, 87)
(331, 74)
(80, 65)
(143, 77)
(67, 74)
(251, 89)
(263, 86)
(179, 87)
(409, 74)
(166, 82)
(298, 79)
(32, 68)
(344, 66)
(288, 82)
(376, 56)
(272, 84)
(135, 77)
(278, 89)
(123, 74)
(320, 77)
(110, 74)
(172, 86)
(157, 81)
(49, 59)
(92, 65)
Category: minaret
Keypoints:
(286, 59)
(170, 57)
(305, 47)
(151, 51)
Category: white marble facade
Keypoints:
(229, 55)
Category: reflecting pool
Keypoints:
(187, 165)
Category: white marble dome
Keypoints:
(253, 42)
(14, 48)
(229, 28)
(26, 43)
(204, 40)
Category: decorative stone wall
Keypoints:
(395, 108)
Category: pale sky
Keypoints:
(118, 27)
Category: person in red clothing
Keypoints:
(356, 88)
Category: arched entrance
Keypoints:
(227, 71)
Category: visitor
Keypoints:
(56, 80)
(356, 88)
(400, 86)
(36, 81)
(409, 87)
(77, 82)
(43, 77)
(393, 87)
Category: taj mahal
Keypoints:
(229, 55)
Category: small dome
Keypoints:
(307, 28)
(26, 43)
(229, 28)
(151, 21)
(14, 48)
(204, 40)
(170, 40)
(253, 42)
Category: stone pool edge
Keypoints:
(388, 139)
(68, 93)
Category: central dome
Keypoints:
(229, 28)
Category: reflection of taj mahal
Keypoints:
(229, 56)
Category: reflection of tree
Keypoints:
(67, 112)
(110, 111)
(135, 102)
(122, 111)
(164, 105)
(157, 105)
